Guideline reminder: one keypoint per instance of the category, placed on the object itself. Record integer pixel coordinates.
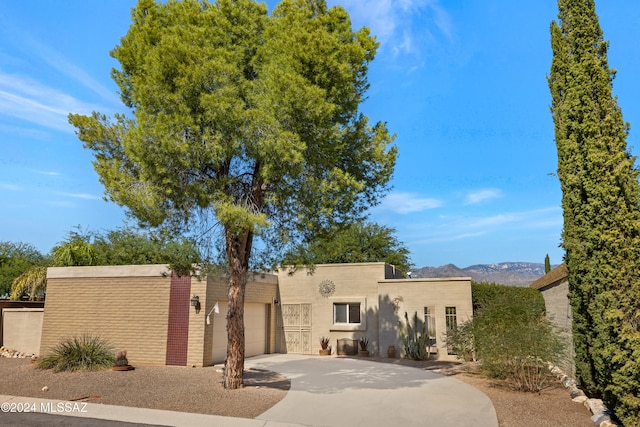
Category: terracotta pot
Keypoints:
(363, 353)
(123, 368)
(325, 352)
(391, 352)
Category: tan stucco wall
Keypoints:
(558, 308)
(126, 305)
(353, 283)
(261, 288)
(197, 325)
(21, 329)
(413, 295)
(129, 307)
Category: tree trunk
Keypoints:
(238, 251)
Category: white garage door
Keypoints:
(255, 331)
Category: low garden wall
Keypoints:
(22, 328)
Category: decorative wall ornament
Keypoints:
(396, 302)
(327, 288)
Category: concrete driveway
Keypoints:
(325, 391)
(331, 391)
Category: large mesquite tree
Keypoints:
(249, 118)
(359, 242)
(601, 201)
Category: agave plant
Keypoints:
(324, 342)
(364, 343)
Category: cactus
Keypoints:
(414, 338)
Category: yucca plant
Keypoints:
(87, 352)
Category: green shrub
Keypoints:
(461, 341)
(87, 352)
(483, 293)
(512, 339)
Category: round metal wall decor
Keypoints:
(326, 288)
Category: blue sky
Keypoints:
(462, 84)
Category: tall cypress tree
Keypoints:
(600, 200)
(547, 264)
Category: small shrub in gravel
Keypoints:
(512, 339)
(87, 353)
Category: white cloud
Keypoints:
(84, 196)
(58, 62)
(28, 100)
(24, 131)
(448, 229)
(402, 25)
(524, 219)
(10, 187)
(49, 173)
(448, 238)
(404, 203)
(482, 195)
(60, 204)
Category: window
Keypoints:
(430, 320)
(346, 312)
(451, 321)
(349, 314)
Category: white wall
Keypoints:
(22, 328)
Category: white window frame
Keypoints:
(342, 326)
(451, 324)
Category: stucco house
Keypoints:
(164, 319)
(554, 287)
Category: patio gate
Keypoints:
(294, 329)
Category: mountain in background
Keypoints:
(504, 273)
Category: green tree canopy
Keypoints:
(547, 264)
(75, 251)
(359, 242)
(600, 201)
(244, 119)
(15, 259)
(126, 246)
(123, 246)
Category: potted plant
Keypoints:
(391, 351)
(326, 348)
(364, 343)
(122, 364)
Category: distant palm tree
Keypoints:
(33, 282)
(76, 251)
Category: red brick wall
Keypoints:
(178, 328)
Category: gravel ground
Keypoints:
(551, 407)
(173, 388)
(200, 390)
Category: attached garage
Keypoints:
(256, 330)
(170, 327)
